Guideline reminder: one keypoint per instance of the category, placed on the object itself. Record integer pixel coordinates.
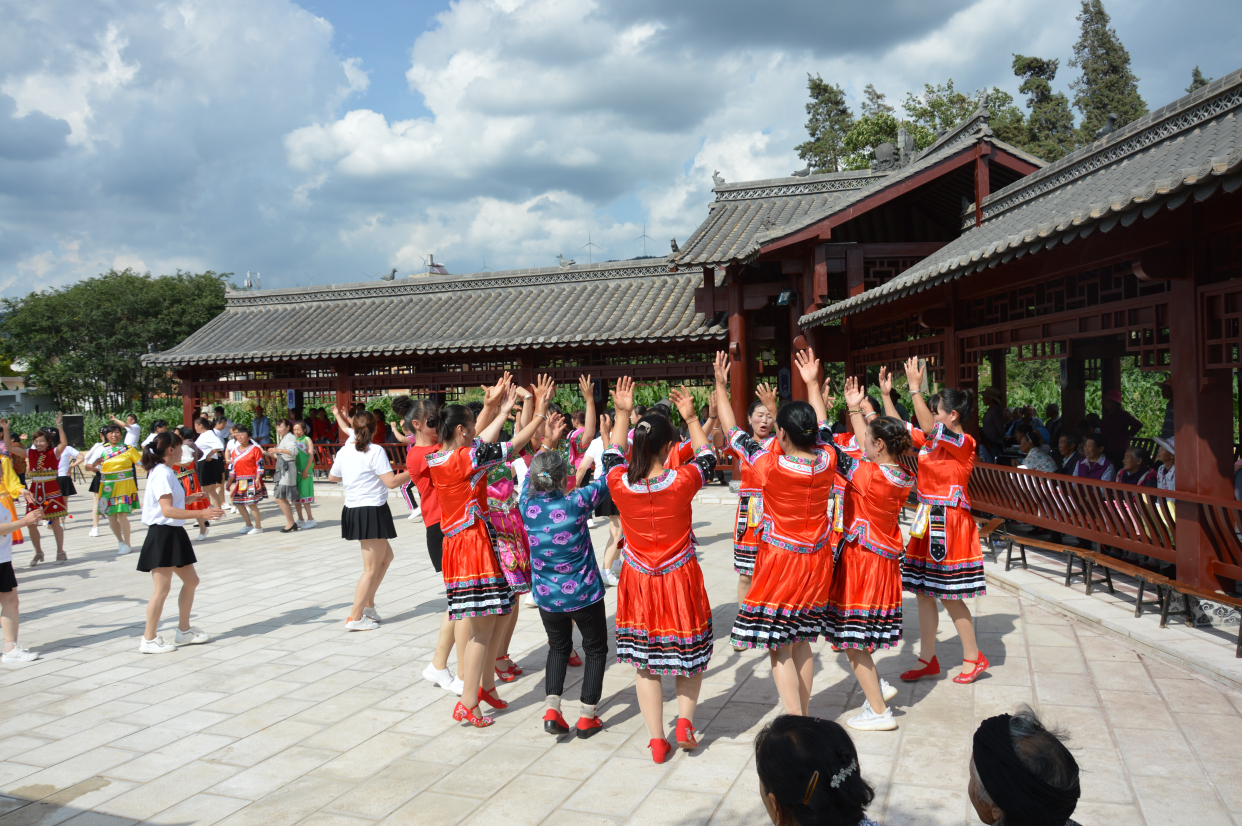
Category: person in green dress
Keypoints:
(306, 466)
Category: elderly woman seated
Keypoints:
(1020, 772)
(1031, 443)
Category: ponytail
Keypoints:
(363, 424)
(424, 410)
(651, 435)
(451, 417)
(153, 453)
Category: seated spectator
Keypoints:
(1021, 772)
(1031, 443)
(1095, 464)
(1136, 469)
(1118, 426)
(1165, 469)
(1052, 422)
(809, 774)
(1067, 447)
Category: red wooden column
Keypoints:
(1202, 404)
(188, 410)
(983, 179)
(526, 371)
(742, 370)
(344, 390)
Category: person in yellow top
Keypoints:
(118, 489)
(10, 491)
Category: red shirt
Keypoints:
(655, 514)
(416, 466)
(946, 460)
(319, 429)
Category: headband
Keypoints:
(1026, 800)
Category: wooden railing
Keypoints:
(324, 454)
(1128, 517)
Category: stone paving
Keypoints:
(286, 718)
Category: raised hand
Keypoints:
(854, 393)
(623, 395)
(556, 428)
(493, 395)
(767, 395)
(867, 407)
(544, 388)
(721, 368)
(809, 367)
(585, 387)
(711, 406)
(60, 419)
(825, 393)
(684, 403)
(508, 400)
(886, 381)
(605, 424)
(914, 376)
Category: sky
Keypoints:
(328, 141)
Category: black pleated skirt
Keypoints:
(8, 580)
(166, 546)
(211, 472)
(94, 488)
(373, 522)
(66, 485)
(606, 506)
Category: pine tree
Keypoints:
(873, 102)
(1107, 84)
(1050, 132)
(1004, 117)
(1197, 80)
(830, 120)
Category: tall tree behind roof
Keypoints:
(830, 119)
(939, 107)
(1197, 80)
(870, 131)
(1050, 132)
(1005, 118)
(1107, 84)
(874, 102)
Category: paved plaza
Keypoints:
(286, 718)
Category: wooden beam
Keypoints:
(983, 180)
(1011, 161)
(741, 367)
(854, 270)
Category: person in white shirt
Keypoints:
(211, 465)
(366, 476)
(158, 426)
(13, 652)
(595, 455)
(63, 470)
(133, 430)
(90, 460)
(167, 549)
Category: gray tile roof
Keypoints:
(1190, 147)
(623, 302)
(748, 215)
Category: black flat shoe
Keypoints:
(291, 528)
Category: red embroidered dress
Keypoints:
(864, 602)
(664, 619)
(473, 577)
(945, 560)
(749, 510)
(840, 502)
(41, 482)
(246, 468)
(793, 569)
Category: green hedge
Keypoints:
(93, 421)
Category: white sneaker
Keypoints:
(309, 523)
(243, 530)
(122, 549)
(457, 687)
(371, 613)
(94, 531)
(191, 637)
(200, 536)
(21, 655)
(254, 531)
(417, 513)
(155, 646)
(610, 578)
(364, 623)
(887, 691)
(868, 720)
(444, 679)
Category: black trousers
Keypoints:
(435, 546)
(593, 624)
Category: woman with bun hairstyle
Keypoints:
(186, 469)
(366, 475)
(760, 416)
(809, 774)
(166, 549)
(864, 602)
(664, 619)
(943, 559)
(420, 418)
(474, 580)
(784, 610)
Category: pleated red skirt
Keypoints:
(864, 602)
(473, 577)
(664, 623)
(787, 600)
(189, 483)
(960, 574)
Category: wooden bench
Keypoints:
(1089, 559)
(1200, 593)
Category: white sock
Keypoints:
(554, 702)
(588, 712)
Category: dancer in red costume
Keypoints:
(42, 461)
(943, 558)
(761, 415)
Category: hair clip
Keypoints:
(643, 426)
(810, 788)
(839, 777)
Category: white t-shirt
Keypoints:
(160, 481)
(150, 438)
(360, 475)
(92, 455)
(208, 442)
(6, 541)
(132, 432)
(595, 452)
(187, 453)
(66, 458)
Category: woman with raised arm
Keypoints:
(664, 619)
(118, 491)
(760, 416)
(184, 467)
(583, 433)
(943, 559)
(848, 444)
(864, 602)
(42, 464)
(784, 610)
(473, 577)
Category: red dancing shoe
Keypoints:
(512, 669)
(980, 665)
(492, 699)
(659, 749)
(554, 723)
(461, 713)
(506, 676)
(589, 728)
(685, 734)
(574, 660)
(930, 669)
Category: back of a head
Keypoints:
(185, 433)
(800, 424)
(811, 767)
(892, 432)
(548, 472)
(153, 453)
(475, 408)
(1024, 769)
(451, 417)
(951, 399)
(423, 410)
(363, 424)
(651, 435)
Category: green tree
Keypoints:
(940, 107)
(1005, 118)
(1197, 80)
(84, 343)
(1050, 132)
(830, 119)
(1107, 85)
(870, 131)
(874, 102)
